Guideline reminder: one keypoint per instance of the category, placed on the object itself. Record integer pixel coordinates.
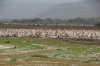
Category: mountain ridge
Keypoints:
(83, 9)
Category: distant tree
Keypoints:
(49, 19)
(98, 24)
(1, 23)
(70, 20)
(76, 21)
(36, 20)
(16, 21)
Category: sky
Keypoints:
(29, 8)
(41, 1)
(4, 2)
(50, 1)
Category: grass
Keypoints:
(47, 49)
(92, 60)
(25, 41)
(7, 41)
(22, 42)
(39, 43)
(41, 56)
(76, 51)
(13, 59)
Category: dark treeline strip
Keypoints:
(1, 22)
(76, 21)
(97, 24)
(87, 21)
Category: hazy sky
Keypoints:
(29, 8)
(42, 1)
(50, 1)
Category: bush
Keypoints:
(7, 41)
(1, 23)
(98, 24)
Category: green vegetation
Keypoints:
(76, 21)
(59, 49)
(13, 59)
(1, 23)
(92, 60)
(41, 56)
(75, 51)
(23, 44)
(42, 50)
(7, 41)
(98, 24)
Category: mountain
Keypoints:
(84, 9)
(19, 9)
(12, 9)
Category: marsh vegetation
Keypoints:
(49, 52)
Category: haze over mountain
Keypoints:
(84, 9)
(56, 9)
(19, 9)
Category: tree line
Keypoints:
(77, 21)
(86, 21)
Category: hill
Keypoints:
(83, 9)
